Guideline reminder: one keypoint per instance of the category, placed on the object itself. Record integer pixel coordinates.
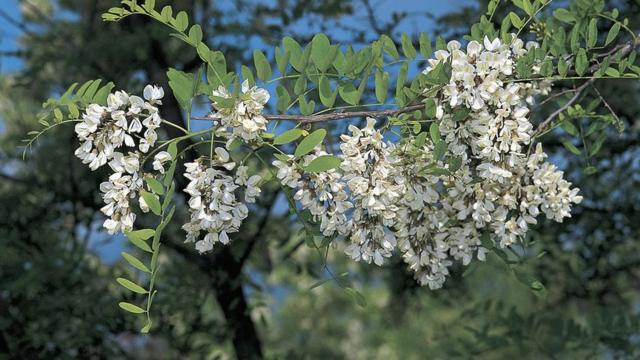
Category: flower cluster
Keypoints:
(244, 118)
(213, 204)
(499, 189)
(322, 193)
(118, 134)
(370, 170)
(437, 218)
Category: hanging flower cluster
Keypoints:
(244, 118)
(384, 198)
(321, 193)
(435, 219)
(214, 203)
(118, 134)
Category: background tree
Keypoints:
(57, 297)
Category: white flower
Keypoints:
(244, 119)
(213, 204)
(105, 129)
(159, 160)
(153, 93)
(117, 193)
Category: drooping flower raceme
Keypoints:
(370, 170)
(118, 134)
(244, 118)
(322, 193)
(215, 204)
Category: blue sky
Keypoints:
(8, 36)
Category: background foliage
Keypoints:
(58, 296)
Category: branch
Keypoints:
(329, 116)
(578, 92)
(623, 49)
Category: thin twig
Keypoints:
(578, 92)
(606, 104)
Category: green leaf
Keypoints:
(181, 84)
(581, 62)
(288, 136)
(547, 68)
(143, 234)
(195, 34)
(57, 114)
(182, 21)
(130, 285)
(402, 77)
(568, 126)
(310, 142)
(515, 20)
(152, 201)
(263, 67)
(91, 90)
(563, 67)
(425, 45)
(592, 35)
(284, 99)
(382, 86)
(430, 108)
(407, 47)
(301, 85)
(131, 308)
(154, 185)
(613, 33)
(216, 68)
(420, 139)
(434, 132)
(172, 149)
(282, 59)
(140, 244)
(528, 7)
(100, 97)
(349, 93)
(149, 5)
(612, 72)
(454, 164)
(74, 113)
(564, 15)
(323, 163)
(389, 47)
(302, 62)
(327, 97)
(135, 262)
(572, 148)
(306, 107)
(440, 149)
(146, 328)
(295, 52)
(320, 47)
(247, 74)
(166, 13)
